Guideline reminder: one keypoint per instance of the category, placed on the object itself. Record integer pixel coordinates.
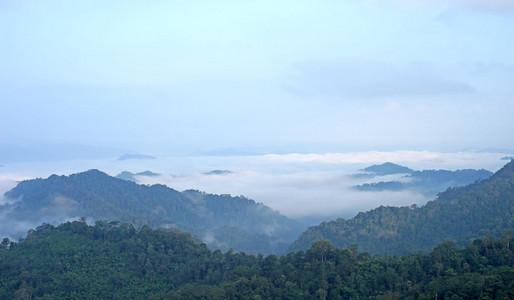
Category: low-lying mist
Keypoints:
(300, 194)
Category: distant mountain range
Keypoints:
(222, 221)
(129, 176)
(218, 172)
(136, 156)
(461, 214)
(427, 182)
(387, 169)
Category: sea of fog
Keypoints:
(300, 186)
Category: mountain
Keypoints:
(388, 169)
(113, 260)
(218, 172)
(135, 156)
(461, 214)
(428, 182)
(98, 196)
(129, 176)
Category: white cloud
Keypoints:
(501, 6)
(494, 6)
(7, 182)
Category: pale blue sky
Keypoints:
(268, 75)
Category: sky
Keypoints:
(272, 76)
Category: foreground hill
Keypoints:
(221, 220)
(117, 261)
(460, 214)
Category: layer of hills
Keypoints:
(113, 260)
(461, 214)
(427, 182)
(222, 221)
(129, 176)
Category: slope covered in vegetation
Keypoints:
(460, 214)
(113, 260)
(428, 182)
(98, 196)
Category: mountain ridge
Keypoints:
(460, 214)
(95, 194)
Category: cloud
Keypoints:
(63, 206)
(314, 194)
(370, 79)
(7, 182)
(496, 6)
(487, 6)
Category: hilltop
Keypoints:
(428, 182)
(461, 214)
(222, 221)
(388, 168)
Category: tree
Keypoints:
(321, 250)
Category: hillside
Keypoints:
(461, 214)
(428, 182)
(117, 261)
(98, 196)
(388, 169)
(129, 176)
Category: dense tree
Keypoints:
(428, 182)
(113, 260)
(462, 214)
(223, 221)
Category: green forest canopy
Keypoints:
(113, 260)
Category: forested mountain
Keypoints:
(113, 260)
(217, 219)
(388, 169)
(428, 182)
(461, 214)
(126, 175)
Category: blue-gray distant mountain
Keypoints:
(218, 172)
(136, 156)
(388, 169)
(428, 182)
(220, 220)
(126, 175)
(461, 214)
